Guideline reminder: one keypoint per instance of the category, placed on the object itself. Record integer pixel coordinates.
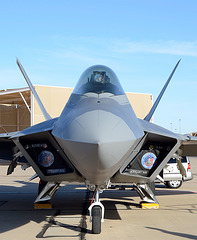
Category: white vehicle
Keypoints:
(171, 174)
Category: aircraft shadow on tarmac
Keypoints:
(17, 208)
(182, 235)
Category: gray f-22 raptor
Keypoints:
(97, 140)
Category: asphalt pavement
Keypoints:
(68, 219)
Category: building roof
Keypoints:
(13, 96)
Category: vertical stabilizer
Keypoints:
(150, 114)
(45, 113)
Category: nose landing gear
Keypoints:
(96, 211)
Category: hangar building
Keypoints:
(19, 109)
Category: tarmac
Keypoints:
(68, 219)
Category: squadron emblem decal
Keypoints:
(45, 158)
(148, 160)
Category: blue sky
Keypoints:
(140, 40)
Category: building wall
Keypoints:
(13, 118)
(14, 114)
(55, 98)
(141, 103)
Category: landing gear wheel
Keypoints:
(96, 219)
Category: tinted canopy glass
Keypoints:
(98, 79)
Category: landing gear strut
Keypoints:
(46, 191)
(96, 211)
(146, 194)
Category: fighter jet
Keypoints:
(97, 140)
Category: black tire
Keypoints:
(174, 184)
(96, 219)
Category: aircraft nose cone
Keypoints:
(97, 143)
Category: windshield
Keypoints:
(98, 79)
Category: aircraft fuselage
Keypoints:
(98, 128)
(98, 132)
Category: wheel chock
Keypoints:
(42, 205)
(149, 205)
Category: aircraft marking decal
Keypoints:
(45, 158)
(148, 160)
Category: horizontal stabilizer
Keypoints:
(42, 108)
(150, 114)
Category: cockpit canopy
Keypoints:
(98, 79)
